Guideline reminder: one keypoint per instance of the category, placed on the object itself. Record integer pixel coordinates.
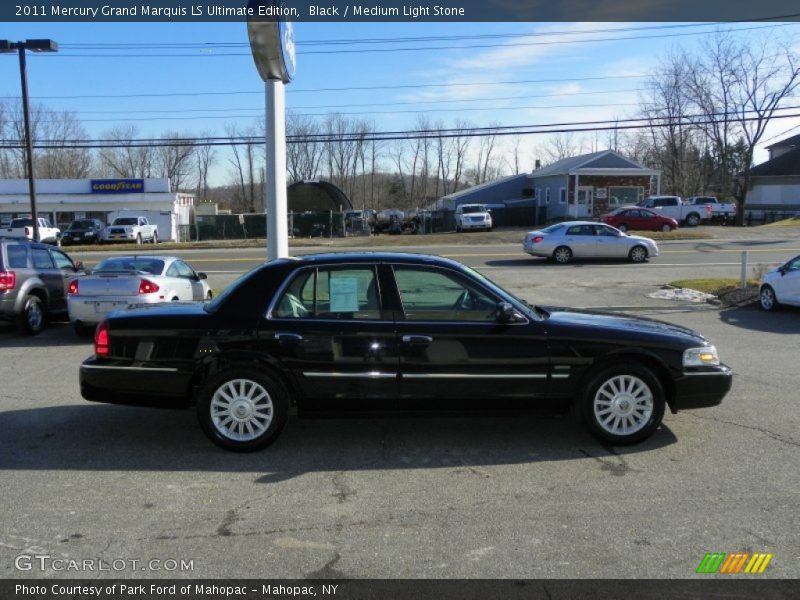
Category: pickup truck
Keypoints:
(673, 206)
(719, 211)
(131, 229)
(23, 228)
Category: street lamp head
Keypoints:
(41, 45)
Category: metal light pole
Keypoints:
(20, 47)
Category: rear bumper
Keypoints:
(113, 382)
(702, 389)
(86, 309)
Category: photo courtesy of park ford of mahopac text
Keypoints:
(449, 300)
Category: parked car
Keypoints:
(781, 285)
(127, 281)
(131, 229)
(23, 228)
(33, 283)
(395, 330)
(638, 219)
(83, 231)
(719, 210)
(584, 239)
(674, 207)
(473, 216)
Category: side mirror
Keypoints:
(202, 276)
(505, 313)
(79, 265)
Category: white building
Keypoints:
(63, 200)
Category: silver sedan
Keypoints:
(128, 281)
(585, 239)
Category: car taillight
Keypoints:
(8, 280)
(147, 287)
(537, 239)
(28, 231)
(101, 346)
(708, 208)
(73, 287)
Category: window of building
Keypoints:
(547, 196)
(562, 196)
(622, 196)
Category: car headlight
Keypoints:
(89, 233)
(701, 357)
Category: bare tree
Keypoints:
(127, 158)
(304, 155)
(175, 158)
(561, 146)
(248, 177)
(205, 157)
(763, 80)
(461, 143)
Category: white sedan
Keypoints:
(585, 239)
(129, 281)
(781, 285)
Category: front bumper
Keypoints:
(701, 388)
(134, 384)
(476, 225)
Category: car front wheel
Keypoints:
(623, 404)
(562, 255)
(666, 228)
(766, 298)
(242, 409)
(638, 254)
(623, 228)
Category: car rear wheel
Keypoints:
(623, 228)
(766, 298)
(638, 254)
(666, 228)
(209, 296)
(623, 404)
(32, 319)
(693, 220)
(139, 238)
(155, 237)
(242, 409)
(458, 228)
(562, 255)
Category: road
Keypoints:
(431, 497)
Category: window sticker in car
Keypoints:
(344, 294)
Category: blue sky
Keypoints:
(569, 56)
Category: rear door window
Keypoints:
(17, 256)
(41, 259)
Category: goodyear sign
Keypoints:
(117, 186)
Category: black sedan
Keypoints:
(396, 330)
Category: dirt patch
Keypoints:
(737, 296)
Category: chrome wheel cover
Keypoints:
(34, 316)
(562, 255)
(638, 254)
(241, 410)
(767, 298)
(623, 405)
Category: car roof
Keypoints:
(144, 256)
(372, 257)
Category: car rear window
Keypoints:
(153, 266)
(552, 228)
(82, 225)
(21, 223)
(16, 257)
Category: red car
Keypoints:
(638, 219)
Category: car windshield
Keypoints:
(475, 208)
(503, 293)
(81, 224)
(126, 221)
(143, 264)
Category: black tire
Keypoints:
(666, 228)
(767, 299)
(215, 427)
(458, 228)
(139, 239)
(622, 227)
(598, 411)
(33, 317)
(638, 254)
(562, 255)
(693, 220)
(210, 296)
(155, 237)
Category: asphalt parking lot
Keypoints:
(432, 497)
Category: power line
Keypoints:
(419, 48)
(569, 127)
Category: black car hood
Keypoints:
(624, 325)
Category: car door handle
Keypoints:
(417, 340)
(288, 337)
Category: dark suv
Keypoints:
(33, 283)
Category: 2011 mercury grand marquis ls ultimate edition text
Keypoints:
(395, 330)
